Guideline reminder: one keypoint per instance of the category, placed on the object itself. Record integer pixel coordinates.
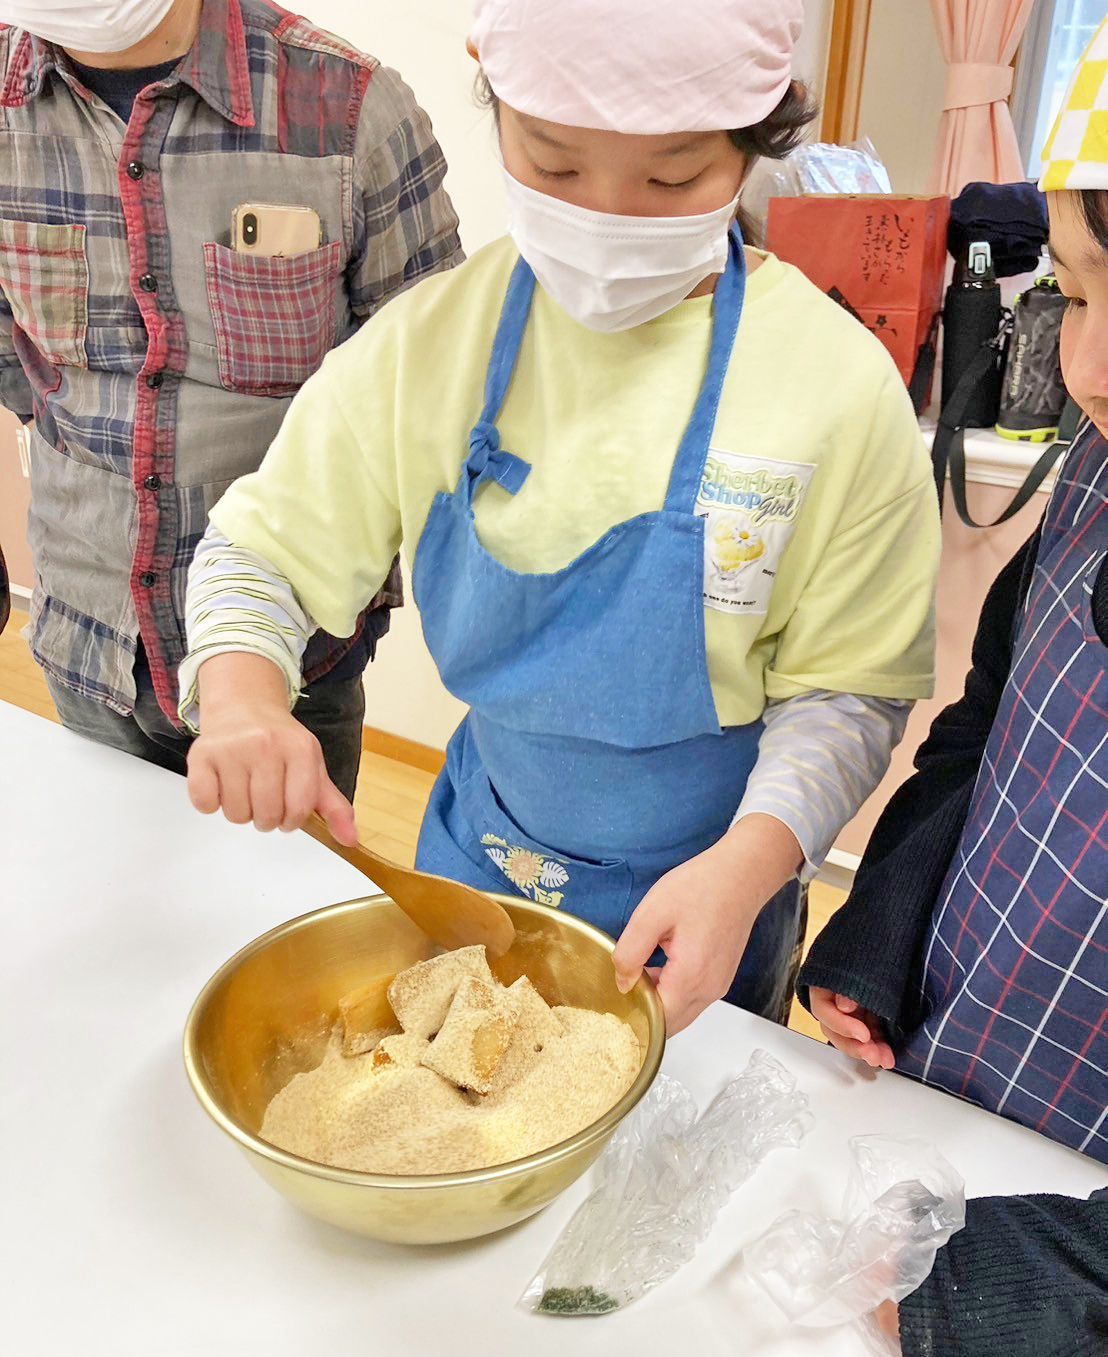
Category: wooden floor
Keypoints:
(391, 794)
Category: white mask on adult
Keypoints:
(89, 25)
(612, 272)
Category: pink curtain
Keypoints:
(976, 138)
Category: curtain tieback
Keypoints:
(973, 83)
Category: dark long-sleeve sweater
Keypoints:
(1028, 1276)
(871, 948)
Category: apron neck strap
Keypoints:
(487, 459)
(727, 307)
(508, 340)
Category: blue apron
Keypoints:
(592, 761)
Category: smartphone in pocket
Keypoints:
(275, 229)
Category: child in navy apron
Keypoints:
(993, 981)
(619, 759)
(972, 954)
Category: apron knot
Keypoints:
(489, 461)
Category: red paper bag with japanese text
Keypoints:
(882, 258)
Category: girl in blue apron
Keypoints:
(593, 771)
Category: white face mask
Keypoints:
(88, 26)
(612, 272)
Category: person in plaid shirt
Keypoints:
(157, 362)
(972, 953)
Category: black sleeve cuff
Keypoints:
(1027, 1277)
(870, 948)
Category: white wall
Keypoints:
(902, 90)
(810, 56)
(425, 41)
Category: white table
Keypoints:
(132, 1226)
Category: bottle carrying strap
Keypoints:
(948, 449)
(1034, 478)
(924, 370)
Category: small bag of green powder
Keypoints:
(663, 1178)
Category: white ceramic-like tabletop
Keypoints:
(133, 1226)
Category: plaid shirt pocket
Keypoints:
(44, 276)
(275, 318)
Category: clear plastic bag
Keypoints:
(664, 1176)
(903, 1202)
(819, 167)
(823, 167)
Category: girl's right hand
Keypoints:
(253, 760)
(850, 1028)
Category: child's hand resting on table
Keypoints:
(851, 1029)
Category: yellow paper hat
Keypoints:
(1076, 152)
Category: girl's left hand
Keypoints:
(701, 914)
(850, 1028)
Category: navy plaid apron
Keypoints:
(1015, 980)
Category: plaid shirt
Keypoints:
(1016, 964)
(157, 362)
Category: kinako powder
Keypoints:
(475, 1074)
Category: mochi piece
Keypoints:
(421, 995)
(537, 1022)
(475, 1034)
(366, 1017)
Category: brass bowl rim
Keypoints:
(603, 1126)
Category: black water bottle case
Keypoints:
(972, 359)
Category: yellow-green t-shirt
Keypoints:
(821, 539)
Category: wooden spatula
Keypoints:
(449, 913)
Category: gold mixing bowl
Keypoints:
(267, 1014)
